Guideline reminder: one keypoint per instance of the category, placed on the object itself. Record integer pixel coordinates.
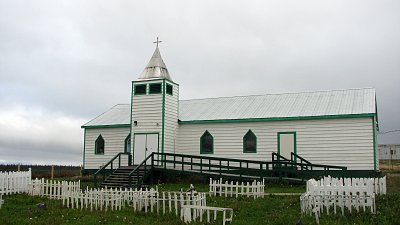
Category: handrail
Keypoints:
(294, 156)
(137, 168)
(242, 168)
(279, 157)
(111, 162)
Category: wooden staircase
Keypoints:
(120, 176)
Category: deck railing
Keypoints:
(109, 166)
(142, 171)
(220, 167)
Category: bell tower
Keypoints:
(154, 110)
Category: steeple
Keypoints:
(156, 67)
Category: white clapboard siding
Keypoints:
(114, 139)
(147, 110)
(342, 142)
(171, 119)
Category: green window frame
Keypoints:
(127, 144)
(250, 142)
(99, 145)
(206, 143)
(140, 89)
(169, 89)
(155, 88)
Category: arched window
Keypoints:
(206, 143)
(99, 145)
(127, 144)
(249, 142)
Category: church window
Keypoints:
(249, 142)
(169, 89)
(155, 89)
(99, 145)
(206, 143)
(127, 144)
(140, 89)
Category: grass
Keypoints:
(391, 166)
(272, 209)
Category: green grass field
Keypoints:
(272, 209)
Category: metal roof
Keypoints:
(156, 68)
(289, 105)
(305, 104)
(117, 115)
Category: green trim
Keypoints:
(277, 118)
(201, 143)
(155, 93)
(146, 91)
(294, 139)
(374, 140)
(130, 125)
(163, 115)
(84, 148)
(152, 80)
(125, 144)
(147, 133)
(250, 132)
(106, 126)
(95, 145)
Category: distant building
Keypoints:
(325, 127)
(389, 151)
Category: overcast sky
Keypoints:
(63, 63)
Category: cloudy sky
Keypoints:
(64, 62)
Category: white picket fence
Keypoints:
(1, 200)
(53, 188)
(347, 193)
(14, 182)
(167, 202)
(253, 189)
(193, 212)
(95, 199)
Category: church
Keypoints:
(335, 127)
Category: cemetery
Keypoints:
(321, 201)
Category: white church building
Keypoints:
(335, 127)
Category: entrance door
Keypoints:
(144, 145)
(286, 143)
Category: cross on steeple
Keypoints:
(156, 42)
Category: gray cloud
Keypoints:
(75, 59)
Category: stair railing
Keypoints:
(149, 160)
(294, 157)
(304, 163)
(110, 163)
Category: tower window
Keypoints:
(169, 89)
(140, 89)
(99, 145)
(206, 143)
(155, 88)
(249, 142)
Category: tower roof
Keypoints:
(156, 68)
